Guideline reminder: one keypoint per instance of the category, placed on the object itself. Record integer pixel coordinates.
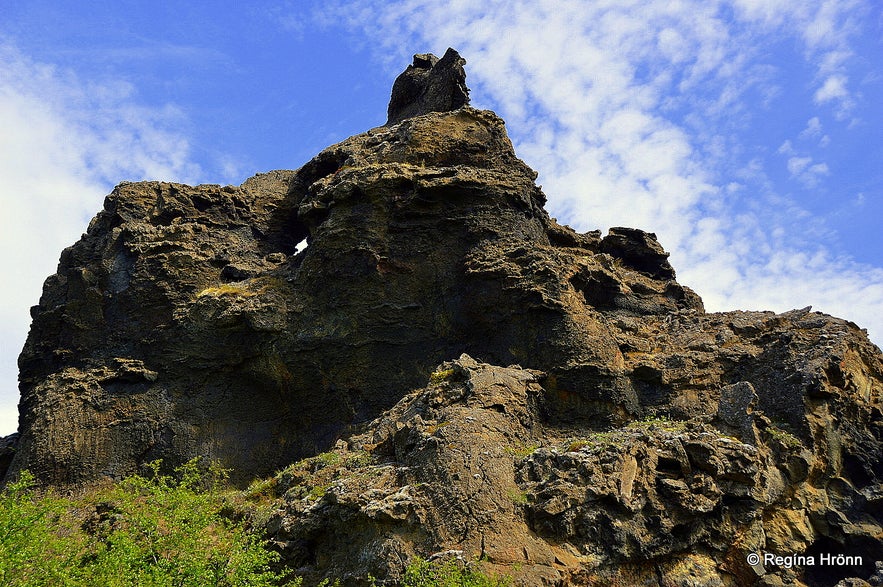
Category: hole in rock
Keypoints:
(668, 467)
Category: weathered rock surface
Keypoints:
(640, 441)
(481, 463)
(429, 85)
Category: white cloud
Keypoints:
(634, 113)
(809, 175)
(818, 170)
(813, 128)
(796, 165)
(825, 27)
(834, 88)
(814, 131)
(64, 143)
(802, 168)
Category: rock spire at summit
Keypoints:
(428, 85)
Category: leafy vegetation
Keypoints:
(157, 530)
(452, 573)
(779, 432)
(162, 530)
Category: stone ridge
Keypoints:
(632, 439)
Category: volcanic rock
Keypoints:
(445, 371)
(429, 85)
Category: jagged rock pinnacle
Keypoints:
(428, 85)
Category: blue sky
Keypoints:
(745, 133)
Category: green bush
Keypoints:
(421, 573)
(157, 530)
(38, 543)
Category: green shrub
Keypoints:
(421, 573)
(38, 543)
(157, 530)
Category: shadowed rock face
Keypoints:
(638, 438)
(429, 85)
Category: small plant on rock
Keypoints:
(440, 376)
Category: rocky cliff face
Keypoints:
(634, 438)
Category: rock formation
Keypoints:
(632, 439)
(429, 85)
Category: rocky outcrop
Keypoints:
(480, 464)
(634, 439)
(186, 322)
(149, 340)
(429, 85)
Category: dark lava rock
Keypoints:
(8, 445)
(632, 439)
(639, 250)
(429, 85)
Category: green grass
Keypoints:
(658, 423)
(518, 497)
(521, 450)
(226, 289)
(244, 289)
(311, 478)
(600, 439)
